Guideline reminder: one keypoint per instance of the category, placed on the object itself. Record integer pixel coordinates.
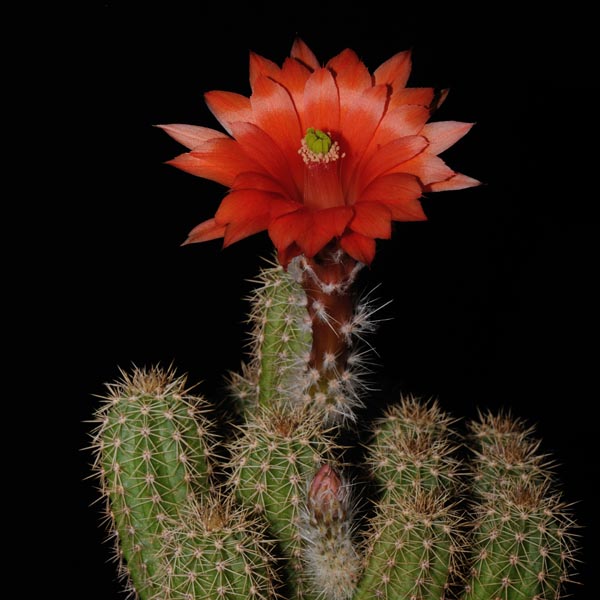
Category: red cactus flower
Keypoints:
(320, 154)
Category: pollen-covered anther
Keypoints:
(318, 147)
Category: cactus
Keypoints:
(306, 499)
(282, 519)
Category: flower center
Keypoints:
(317, 147)
(322, 185)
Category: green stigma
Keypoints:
(317, 141)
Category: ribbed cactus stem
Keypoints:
(282, 335)
(273, 460)
(506, 454)
(333, 562)
(413, 550)
(153, 454)
(413, 448)
(523, 546)
(218, 552)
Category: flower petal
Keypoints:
(423, 96)
(275, 113)
(358, 246)
(263, 149)
(457, 182)
(246, 212)
(321, 102)
(395, 70)
(191, 136)
(400, 193)
(350, 72)
(443, 134)
(372, 219)
(427, 167)
(293, 77)
(391, 156)
(207, 230)
(218, 159)
(300, 51)
(358, 123)
(310, 230)
(249, 180)
(228, 107)
(400, 122)
(259, 65)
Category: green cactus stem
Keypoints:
(153, 449)
(218, 552)
(413, 549)
(306, 339)
(273, 460)
(414, 448)
(523, 545)
(523, 541)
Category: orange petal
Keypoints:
(372, 219)
(400, 122)
(191, 136)
(457, 182)
(322, 227)
(249, 180)
(284, 230)
(207, 230)
(275, 113)
(259, 65)
(321, 102)
(422, 96)
(300, 51)
(349, 71)
(443, 134)
(358, 123)
(394, 71)
(359, 247)
(246, 212)
(400, 192)
(427, 167)
(244, 205)
(294, 76)
(218, 159)
(388, 157)
(257, 143)
(310, 230)
(228, 107)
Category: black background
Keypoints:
(494, 298)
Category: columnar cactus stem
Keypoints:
(414, 448)
(522, 548)
(153, 454)
(413, 549)
(217, 552)
(273, 460)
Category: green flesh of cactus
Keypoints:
(153, 455)
(273, 461)
(217, 553)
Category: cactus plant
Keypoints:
(422, 508)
